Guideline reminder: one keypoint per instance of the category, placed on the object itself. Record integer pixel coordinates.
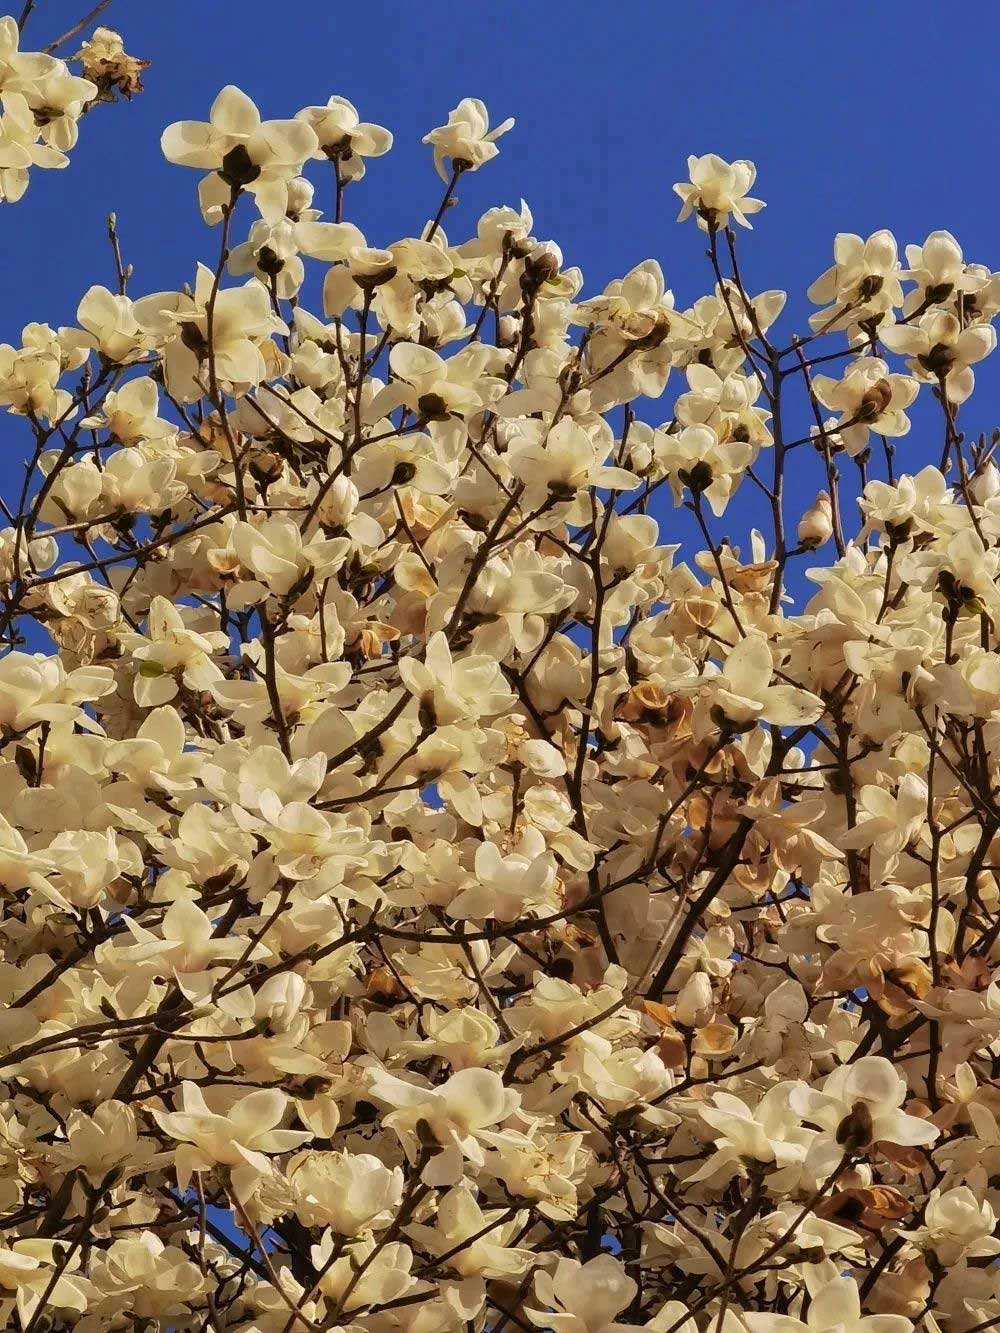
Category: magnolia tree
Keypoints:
(430, 903)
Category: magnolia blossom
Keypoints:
(344, 138)
(942, 351)
(742, 694)
(43, 103)
(862, 283)
(471, 1100)
(466, 141)
(887, 823)
(957, 1225)
(482, 1249)
(240, 321)
(868, 398)
(717, 189)
(239, 1140)
(169, 652)
(815, 527)
(130, 415)
(449, 690)
(871, 1092)
(30, 1274)
(455, 872)
(835, 1305)
(940, 272)
(347, 1191)
(583, 1298)
(108, 322)
(769, 1132)
(245, 152)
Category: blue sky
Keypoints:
(858, 116)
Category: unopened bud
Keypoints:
(816, 525)
(300, 196)
(986, 484)
(542, 263)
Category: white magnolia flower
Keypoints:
(835, 1305)
(343, 137)
(872, 1092)
(716, 190)
(770, 1132)
(467, 140)
(742, 693)
(450, 690)
(245, 152)
(452, 1115)
(941, 351)
(130, 415)
(868, 398)
(583, 1298)
(350, 1192)
(240, 1139)
(957, 1226)
(863, 283)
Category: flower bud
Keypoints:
(986, 484)
(300, 196)
(543, 262)
(694, 1001)
(508, 331)
(816, 525)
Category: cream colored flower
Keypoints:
(245, 152)
(343, 137)
(467, 140)
(716, 190)
(240, 1139)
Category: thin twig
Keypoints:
(76, 28)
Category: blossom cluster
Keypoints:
(431, 900)
(42, 101)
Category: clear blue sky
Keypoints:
(857, 115)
